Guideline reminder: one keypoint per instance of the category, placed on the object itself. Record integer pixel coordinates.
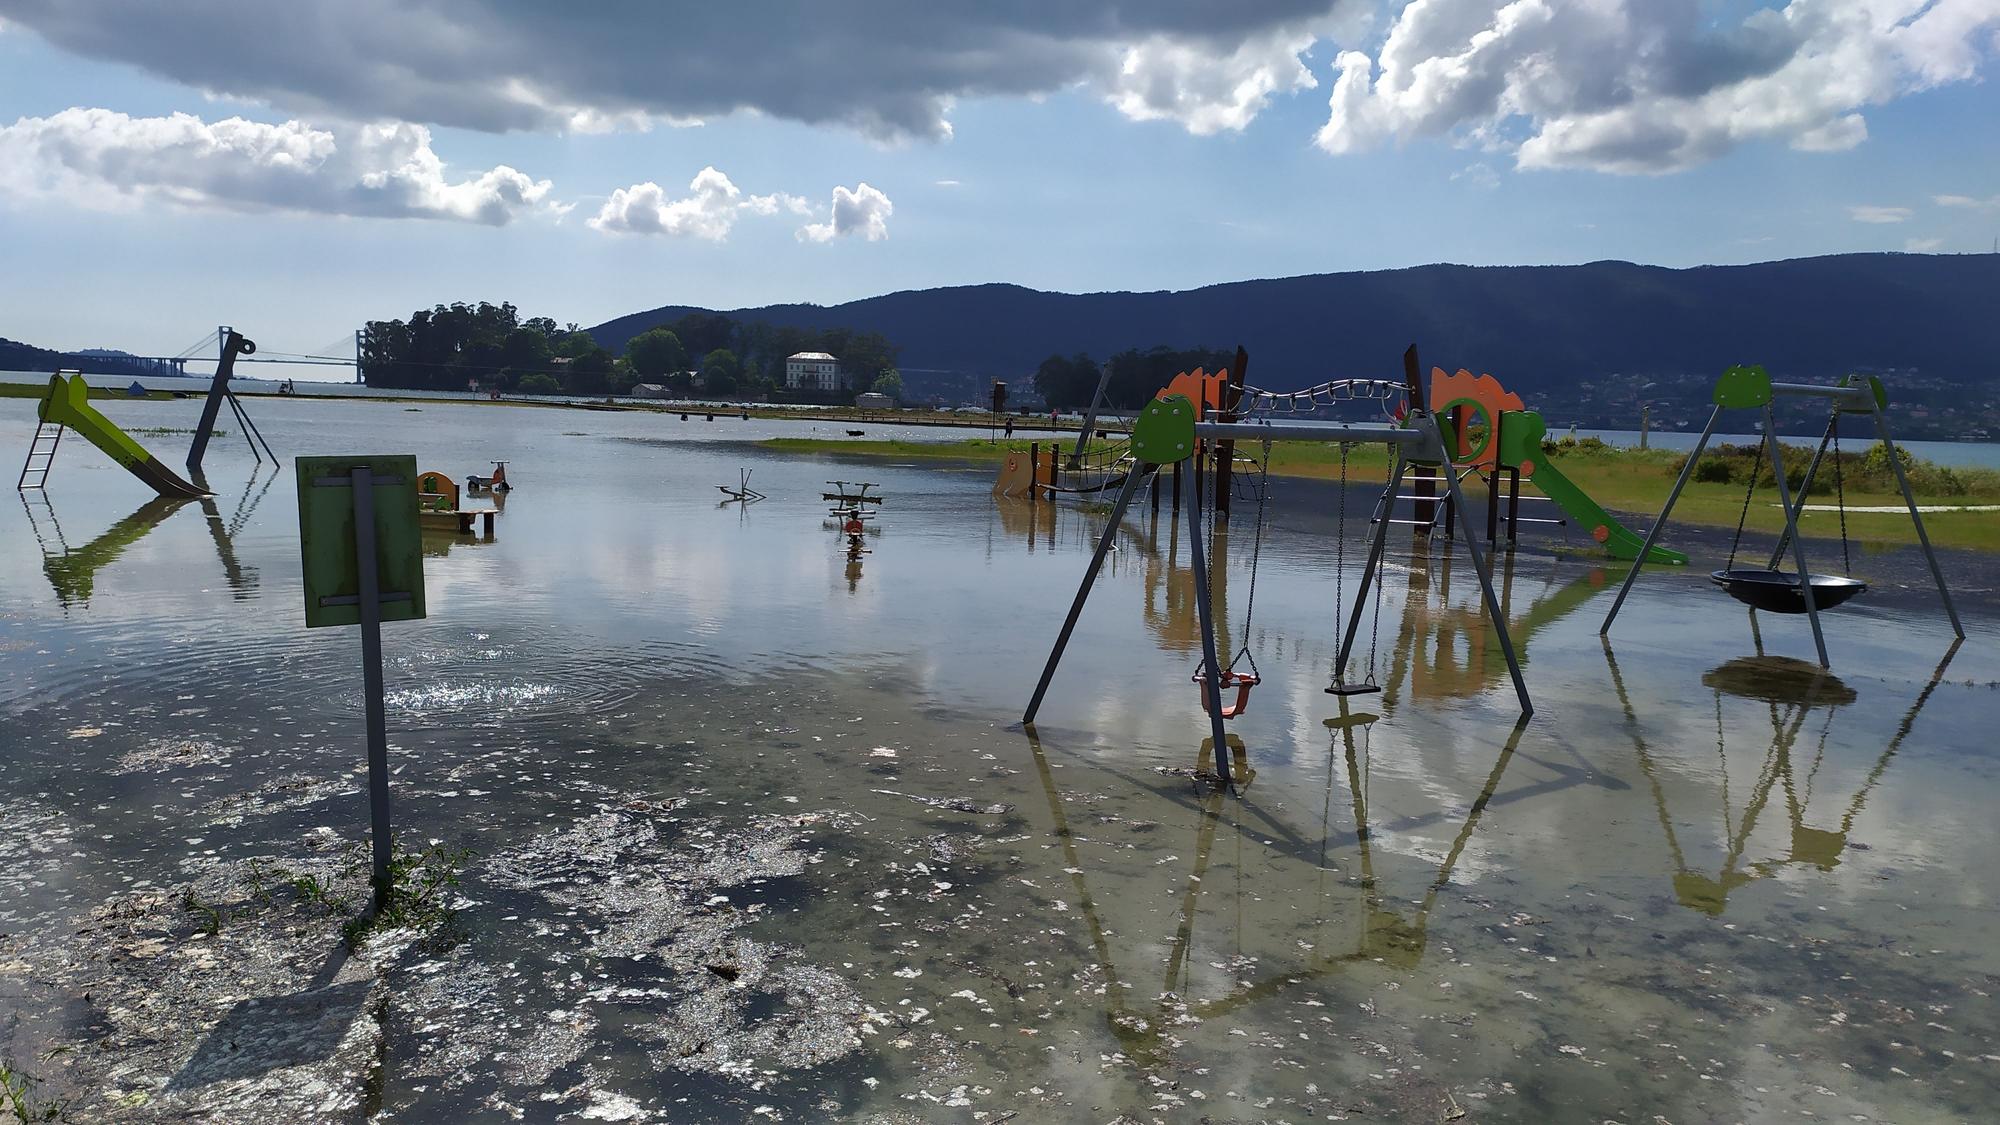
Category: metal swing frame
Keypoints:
(1751, 386)
(1419, 440)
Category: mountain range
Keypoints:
(1543, 330)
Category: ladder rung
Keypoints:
(1417, 523)
(1525, 519)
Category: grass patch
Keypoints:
(18, 1100)
(37, 390)
(1632, 481)
(420, 886)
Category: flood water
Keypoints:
(1701, 885)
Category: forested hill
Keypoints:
(1539, 328)
(15, 356)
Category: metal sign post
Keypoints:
(363, 557)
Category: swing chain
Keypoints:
(1840, 499)
(1742, 518)
(1340, 564)
(1256, 557)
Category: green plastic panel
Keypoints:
(1164, 431)
(326, 538)
(1521, 433)
(1744, 385)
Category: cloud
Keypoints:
(1923, 245)
(946, 183)
(1478, 174)
(1868, 214)
(708, 212)
(1646, 86)
(1990, 203)
(888, 68)
(1206, 90)
(864, 211)
(103, 159)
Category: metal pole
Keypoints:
(1090, 416)
(1513, 505)
(1211, 688)
(218, 388)
(1493, 506)
(371, 676)
(1792, 531)
(1125, 492)
(1923, 537)
(1387, 508)
(1177, 486)
(1660, 523)
(1493, 607)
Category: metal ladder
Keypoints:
(41, 455)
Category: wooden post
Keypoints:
(1034, 471)
(1225, 451)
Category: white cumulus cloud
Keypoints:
(864, 211)
(709, 211)
(100, 158)
(1647, 86)
(1205, 89)
(1990, 203)
(1865, 213)
(1923, 245)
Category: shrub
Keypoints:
(1713, 470)
(540, 383)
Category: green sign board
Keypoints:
(328, 542)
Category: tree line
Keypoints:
(492, 347)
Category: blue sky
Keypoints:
(115, 237)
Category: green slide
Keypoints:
(68, 404)
(1521, 444)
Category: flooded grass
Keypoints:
(708, 821)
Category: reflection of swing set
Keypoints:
(1386, 935)
(1767, 587)
(1171, 430)
(1791, 689)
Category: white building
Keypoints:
(813, 371)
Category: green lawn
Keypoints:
(1626, 481)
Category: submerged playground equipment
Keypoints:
(1171, 431)
(1495, 437)
(67, 407)
(1749, 387)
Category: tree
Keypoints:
(1067, 384)
(590, 374)
(889, 383)
(656, 353)
(721, 370)
(575, 344)
(540, 383)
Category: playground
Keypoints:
(743, 827)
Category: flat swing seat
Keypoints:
(1342, 687)
(1778, 591)
(1241, 681)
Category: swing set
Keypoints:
(1172, 429)
(1767, 587)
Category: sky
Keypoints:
(295, 169)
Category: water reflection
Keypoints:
(73, 571)
(1378, 927)
(1447, 650)
(242, 579)
(1791, 691)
